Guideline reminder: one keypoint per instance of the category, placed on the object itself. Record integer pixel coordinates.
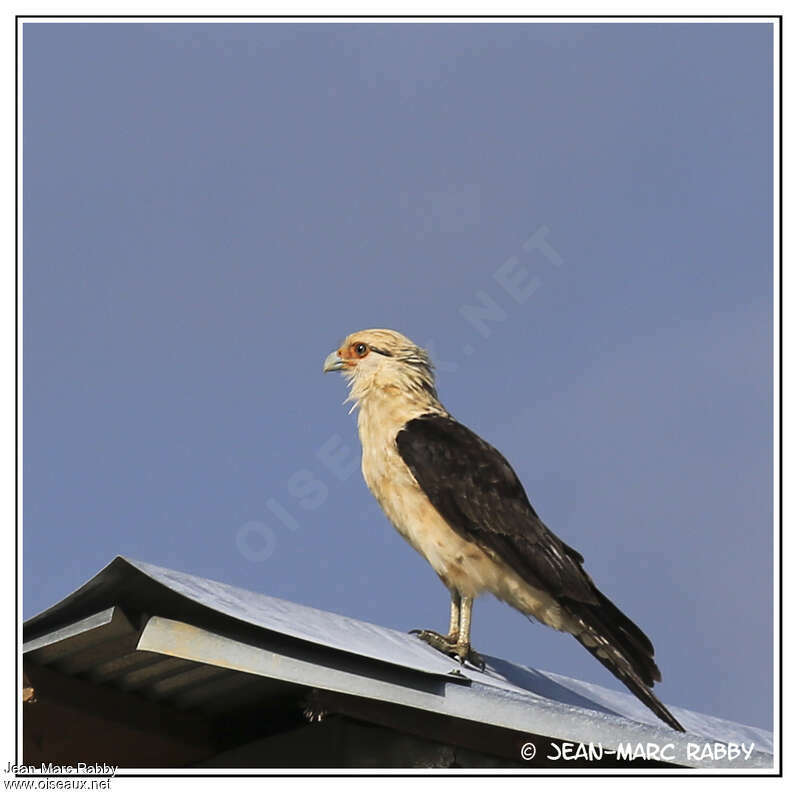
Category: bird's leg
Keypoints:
(456, 642)
(455, 615)
(463, 648)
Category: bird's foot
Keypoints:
(448, 644)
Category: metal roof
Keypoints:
(195, 643)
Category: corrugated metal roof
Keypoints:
(256, 610)
(195, 643)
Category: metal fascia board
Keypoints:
(468, 701)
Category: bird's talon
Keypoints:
(472, 657)
(449, 645)
(477, 661)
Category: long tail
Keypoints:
(613, 639)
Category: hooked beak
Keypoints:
(333, 362)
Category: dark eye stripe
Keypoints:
(381, 352)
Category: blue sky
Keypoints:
(210, 208)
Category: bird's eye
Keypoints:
(361, 349)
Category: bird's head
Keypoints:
(385, 360)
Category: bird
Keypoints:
(458, 502)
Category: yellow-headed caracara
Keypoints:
(458, 502)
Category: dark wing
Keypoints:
(475, 489)
(477, 492)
